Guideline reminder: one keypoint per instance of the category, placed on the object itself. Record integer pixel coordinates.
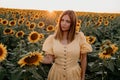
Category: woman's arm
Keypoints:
(83, 65)
(48, 59)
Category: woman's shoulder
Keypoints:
(50, 37)
(80, 33)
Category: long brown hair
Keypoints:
(71, 33)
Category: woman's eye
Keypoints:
(67, 21)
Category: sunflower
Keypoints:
(106, 23)
(36, 16)
(104, 55)
(13, 32)
(78, 26)
(114, 48)
(79, 21)
(41, 36)
(90, 39)
(3, 52)
(33, 37)
(20, 34)
(5, 22)
(32, 58)
(98, 24)
(31, 18)
(32, 26)
(41, 24)
(112, 17)
(12, 23)
(7, 31)
(20, 22)
(27, 23)
(50, 28)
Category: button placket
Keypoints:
(65, 58)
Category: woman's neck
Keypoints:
(65, 35)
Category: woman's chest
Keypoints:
(71, 50)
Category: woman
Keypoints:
(65, 48)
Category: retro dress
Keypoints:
(66, 66)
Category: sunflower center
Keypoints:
(34, 36)
(20, 22)
(32, 26)
(7, 30)
(20, 34)
(40, 24)
(12, 23)
(50, 28)
(31, 59)
(1, 51)
(4, 22)
(91, 39)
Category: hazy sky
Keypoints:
(77, 5)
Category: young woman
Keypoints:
(65, 48)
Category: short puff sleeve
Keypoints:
(48, 45)
(84, 46)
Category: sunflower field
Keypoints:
(23, 31)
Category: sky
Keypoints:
(110, 6)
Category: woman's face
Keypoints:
(65, 23)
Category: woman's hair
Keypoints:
(71, 32)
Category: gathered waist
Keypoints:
(66, 66)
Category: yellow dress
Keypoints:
(65, 66)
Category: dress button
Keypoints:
(64, 54)
(64, 50)
(64, 68)
(63, 75)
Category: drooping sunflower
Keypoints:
(33, 37)
(3, 52)
(20, 34)
(104, 55)
(32, 58)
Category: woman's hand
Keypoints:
(48, 59)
